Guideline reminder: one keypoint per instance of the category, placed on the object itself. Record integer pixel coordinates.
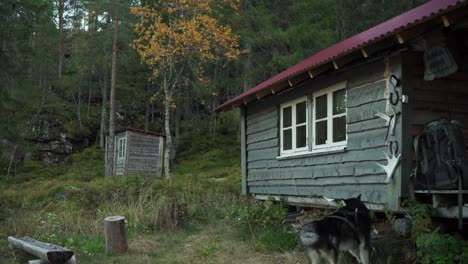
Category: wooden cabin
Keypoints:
(136, 153)
(342, 122)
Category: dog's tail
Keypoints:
(308, 234)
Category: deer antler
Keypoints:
(392, 163)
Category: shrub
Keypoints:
(440, 248)
(434, 247)
(264, 224)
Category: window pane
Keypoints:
(339, 129)
(339, 101)
(287, 139)
(321, 132)
(287, 116)
(301, 136)
(321, 106)
(301, 113)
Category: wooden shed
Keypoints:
(136, 153)
(342, 122)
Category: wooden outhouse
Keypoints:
(342, 122)
(136, 153)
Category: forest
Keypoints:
(74, 71)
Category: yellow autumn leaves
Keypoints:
(171, 31)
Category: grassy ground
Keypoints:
(195, 218)
(198, 217)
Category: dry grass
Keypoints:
(211, 243)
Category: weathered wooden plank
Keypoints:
(262, 154)
(135, 153)
(367, 139)
(375, 154)
(370, 92)
(366, 111)
(263, 144)
(375, 193)
(435, 85)
(317, 171)
(52, 253)
(370, 124)
(152, 145)
(366, 73)
(440, 107)
(243, 150)
(140, 136)
(265, 113)
(342, 180)
(262, 125)
(424, 117)
(261, 136)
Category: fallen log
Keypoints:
(49, 252)
(41, 261)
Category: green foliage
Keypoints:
(419, 214)
(435, 247)
(264, 224)
(87, 165)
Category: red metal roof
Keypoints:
(385, 29)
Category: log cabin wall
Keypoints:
(333, 175)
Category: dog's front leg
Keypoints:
(356, 252)
(313, 256)
(364, 253)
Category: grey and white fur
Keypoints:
(347, 229)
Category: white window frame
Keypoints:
(121, 148)
(293, 127)
(329, 145)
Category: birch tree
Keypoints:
(174, 33)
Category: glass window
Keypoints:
(294, 126)
(330, 118)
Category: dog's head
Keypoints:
(355, 203)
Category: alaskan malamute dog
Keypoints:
(347, 229)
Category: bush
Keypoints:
(440, 248)
(434, 247)
(263, 224)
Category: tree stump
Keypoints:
(116, 235)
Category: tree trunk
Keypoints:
(147, 107)
(90, 91)
(103, 110)
(115, 234)
(61, 8)
(78, 109)
(167, 129)
(110, 169)
(12, 158)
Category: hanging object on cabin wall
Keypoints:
(392, 164)
(438, 62)
(392, 158)
(394, 95)
(390, 122)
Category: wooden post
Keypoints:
(116, 235)
(51, 253)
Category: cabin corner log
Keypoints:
(52, 253)
(115, 234)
